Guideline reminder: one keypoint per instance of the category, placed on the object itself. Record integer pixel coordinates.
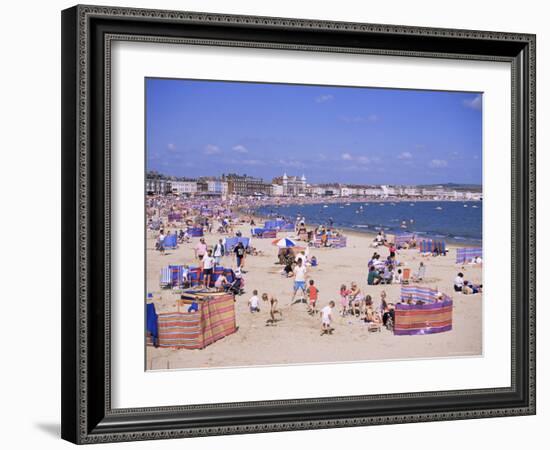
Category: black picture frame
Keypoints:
(87, 415)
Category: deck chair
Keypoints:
(406, 276)
(165, 277)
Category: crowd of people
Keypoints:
(296, 264)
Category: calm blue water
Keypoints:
(453, 221)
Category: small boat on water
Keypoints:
(439, 208)
(411, 204)
(475, 206)
(347, 204)
(325, 206)
(465, 206)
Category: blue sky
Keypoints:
(331, 134)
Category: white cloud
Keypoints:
(438, 163)
(405, 155)
(240, 148)
(324, 98)
(347, 157)
(358, 159)
(171, 146)
(212, 149)
(473, 103)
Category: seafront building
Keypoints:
(291, 185)
(297, 186)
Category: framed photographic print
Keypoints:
(281, 224)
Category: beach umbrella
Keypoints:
(284, 243)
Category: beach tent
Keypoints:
(467, 254)
(214, 319)
(433, 316)
(171, 241)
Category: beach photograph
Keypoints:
(291, 224)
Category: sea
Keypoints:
(458, 222)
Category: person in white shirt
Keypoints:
(326, 319)
(299, 279)
(254, 302)
(219, 251)
(208, 263)
(459, 282)
(160, 242)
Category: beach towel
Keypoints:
(431, 317)
(467, 254)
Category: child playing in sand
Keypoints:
(313, 295)
(254, 302)
(344, 300)
(273, 310)
(185, 275)
(326, 319)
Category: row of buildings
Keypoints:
(292, 186)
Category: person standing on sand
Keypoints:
(208, 263)
(219, 251)
(160, 243)
(239, 255)
(299, 280)
(326, 319)
(200, 249)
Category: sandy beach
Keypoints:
(296, 339)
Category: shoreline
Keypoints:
(450, 241)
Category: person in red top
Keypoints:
(393, 250)
(313, 294)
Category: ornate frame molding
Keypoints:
(79, 220)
